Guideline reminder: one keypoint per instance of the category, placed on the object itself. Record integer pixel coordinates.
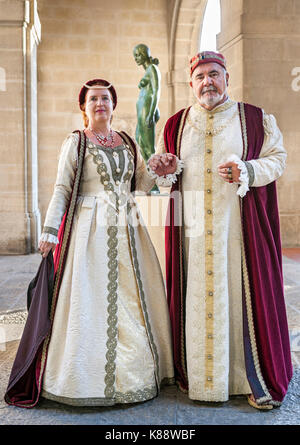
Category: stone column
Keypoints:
(261, 41)
(19, 213)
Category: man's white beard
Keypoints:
(210, 101)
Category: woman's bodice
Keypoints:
(108, 170)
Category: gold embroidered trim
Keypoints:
(112, 254)
(267, 396)
(244, 131)
(209, 262)
(181, 238)
(251, 173)
(136, 396)
(128, 143)
(91, 401)
(207, 56)
(228, 104)
(50, 230)
(117, 171)
(116, 199)
(112, 307)
(128, 397)
(212, 131)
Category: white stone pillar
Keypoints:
(19, 213)
(33, 38)
(261, 42)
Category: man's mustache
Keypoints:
(211, 88)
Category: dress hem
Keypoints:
(120, 398)
(103, 401)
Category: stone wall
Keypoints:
(261, 42)
(84, 39)
(87, 39)
(19, 37)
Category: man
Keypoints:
(223, 263)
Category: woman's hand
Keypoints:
(162, 165)
(229, 172)
(45, 247)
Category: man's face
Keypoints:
(209, 83)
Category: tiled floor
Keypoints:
(171, 407)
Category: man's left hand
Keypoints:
(229, 172)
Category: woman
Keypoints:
(147, 104)
(110, 340)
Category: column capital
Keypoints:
(17, 13)
(32, 19)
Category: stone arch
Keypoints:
(185, 31)
(255, 43)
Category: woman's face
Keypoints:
(98, 105)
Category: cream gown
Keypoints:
(111, 340)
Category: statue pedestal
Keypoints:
(154, 210)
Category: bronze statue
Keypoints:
(147, 105)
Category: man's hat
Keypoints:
(207, 57)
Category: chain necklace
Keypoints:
(105, 141)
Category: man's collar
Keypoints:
(218, 108)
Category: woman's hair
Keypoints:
(84, 90)
(155, 61)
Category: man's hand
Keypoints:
(224, 172)
(162, 165)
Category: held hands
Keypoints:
(162, 165)
(45, 247)
(229, 172)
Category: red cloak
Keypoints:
(265, 329)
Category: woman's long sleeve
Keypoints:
(62, 189)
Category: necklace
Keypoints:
(105, 141)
